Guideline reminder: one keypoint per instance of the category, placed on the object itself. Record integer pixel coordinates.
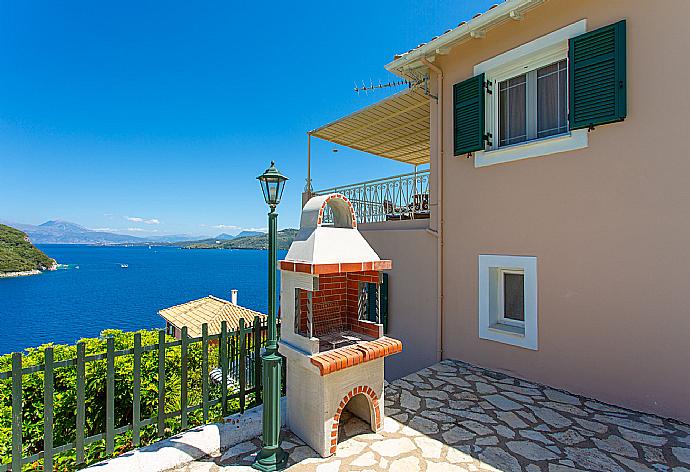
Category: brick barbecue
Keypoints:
(331, 335)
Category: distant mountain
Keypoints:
(244, 234)
(255, 241)
(225, 237)
(17, 254)
(65, 232)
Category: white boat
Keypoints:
(124, 266)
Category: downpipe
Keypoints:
(440, 230)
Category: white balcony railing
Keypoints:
(401, 197)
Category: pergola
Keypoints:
(396, 128)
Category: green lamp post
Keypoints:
(272, 456)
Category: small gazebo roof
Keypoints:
(211, 310)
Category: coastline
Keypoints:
(25, 273)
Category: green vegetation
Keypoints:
(285, 238)
(65, 402)
(18, 254)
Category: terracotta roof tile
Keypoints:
(211, 310)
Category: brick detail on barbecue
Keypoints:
(344, 357)
(374, 402)
(318, 269)
(335, 306)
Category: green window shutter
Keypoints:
(372, 297)
(597, 76)
(468, 113)
(383, 304)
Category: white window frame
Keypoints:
(540, 52)
(500, 303)
(492, 324)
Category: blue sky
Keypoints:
(155, 118)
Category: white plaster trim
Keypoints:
(196, 443)
(522, 53)
(576, 139)
(492, 331)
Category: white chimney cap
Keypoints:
(338, 242)
(234, 296)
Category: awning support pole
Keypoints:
(308, 187)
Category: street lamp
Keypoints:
(272, 456)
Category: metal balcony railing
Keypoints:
(401, 197)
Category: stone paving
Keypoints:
(456, 417)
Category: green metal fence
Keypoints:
(238, 354)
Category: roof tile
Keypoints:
(210, 310)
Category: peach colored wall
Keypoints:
(411, 291)
(609, 224)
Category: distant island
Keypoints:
(18, 256)
(255, 241)
(65, 232)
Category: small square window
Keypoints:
(508, 299)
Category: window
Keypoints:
(512, 106)
(526, 113)
(511, 293)
(552, 99)
(533, 105)
(170, 329)
(508, 299)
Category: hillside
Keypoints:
(259, 241)
(17, 254)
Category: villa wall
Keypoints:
(412, 293)
(609, 225)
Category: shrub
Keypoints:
(65, 402)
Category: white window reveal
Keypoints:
(527, 111)
(508, 300)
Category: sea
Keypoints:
(94, 291)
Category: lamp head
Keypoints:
(272, 185)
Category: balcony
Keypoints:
(401, 197)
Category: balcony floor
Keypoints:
(456, 417)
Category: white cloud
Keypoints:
(104, 229)
(225, 227)
(137, 219)
(233, 229)
(139, 230)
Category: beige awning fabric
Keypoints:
(396, 128)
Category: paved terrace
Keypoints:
(456, 417)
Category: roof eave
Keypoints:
(476, 27)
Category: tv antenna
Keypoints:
(372, 86)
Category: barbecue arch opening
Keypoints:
(363, 403)
(341, 211)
